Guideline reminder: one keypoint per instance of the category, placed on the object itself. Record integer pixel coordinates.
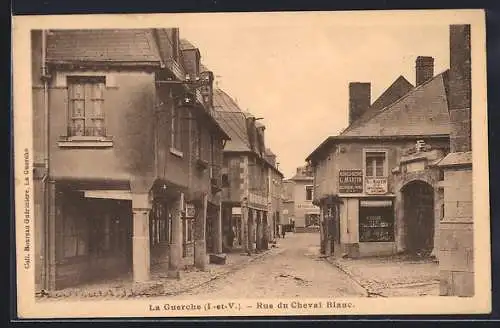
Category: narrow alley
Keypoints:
(293, 269)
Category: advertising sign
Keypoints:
(351, 181)
(376, 185)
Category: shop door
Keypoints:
(110, 240)
(419, 217)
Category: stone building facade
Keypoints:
(456, 251)
(380, 182)
(117, 185)
(251, 180)
(304, 213)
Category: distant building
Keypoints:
(288, 202)
(300, 189)
(252, 182)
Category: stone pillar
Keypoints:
(200, 243)
(328, 232)
(437, 220)
(218, 231)
(265, 230)
(175, 250)
(251, 231)
(456, 246)
(244, 226)
(399, 221)
(456, 249)
(259, 229)
(141, 207)
(321, 231)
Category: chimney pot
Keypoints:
(424, 69)
(359, 99)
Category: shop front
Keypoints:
(93, 238)
(360, 219)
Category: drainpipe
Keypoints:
(45, 180)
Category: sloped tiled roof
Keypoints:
(102, 45)
(455, 159)
(422, 111)
(269, 152)
(395, 91)
(232, 120)
(186, 44)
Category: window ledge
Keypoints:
(85, 142)
(176, 152)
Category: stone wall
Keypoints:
(456, 254)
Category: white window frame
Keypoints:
(82, 80)
(386, 160)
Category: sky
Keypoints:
(295, 73)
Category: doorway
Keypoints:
(418, 200)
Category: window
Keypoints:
(375, 164)
(376, 221)
(86, 106)
(158, 224)
(176, 128)
(188, 224)
(309, 192)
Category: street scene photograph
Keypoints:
(257, 161)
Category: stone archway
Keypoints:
(418, 214)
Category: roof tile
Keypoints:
(102, 45)
(422, 111)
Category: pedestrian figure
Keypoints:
(283, 231)
(230, 237)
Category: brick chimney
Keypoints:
(359, 99)
(424, 69)
(460, 88)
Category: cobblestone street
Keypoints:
(293, 269)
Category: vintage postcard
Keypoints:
(251, 164)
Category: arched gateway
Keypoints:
(418, 200)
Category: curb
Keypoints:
(361, 287)
(380, 292)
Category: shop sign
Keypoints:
(376, 185)
(307, 206)
(351, 181)
(190, 211)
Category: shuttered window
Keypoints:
(86, 106)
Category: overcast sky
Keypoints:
(295, 73)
